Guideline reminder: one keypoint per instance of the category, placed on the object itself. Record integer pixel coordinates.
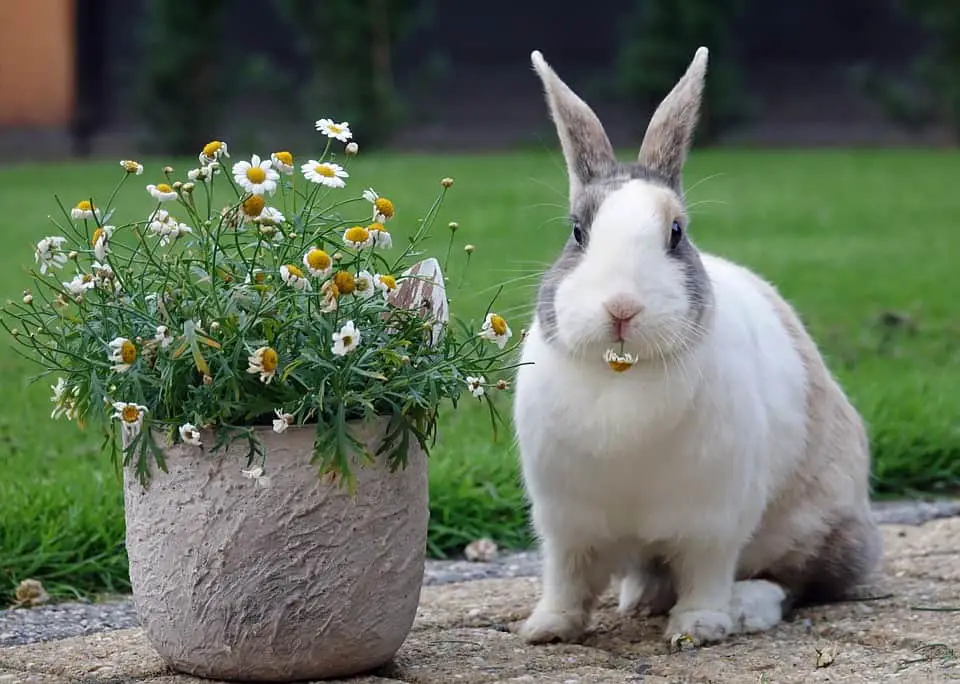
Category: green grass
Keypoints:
(849, 237)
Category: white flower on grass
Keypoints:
(256, 474)
(318, 263)
(80, 284)
(84, 209)
(190, 434)
(324, 173)
(383, 209)
(381, 238)
(212, 151)
(49, 253)
(131, 166)
(163, 336)
(357, 237)
(156, 221)
(345, 340)
(101, 238)
(264, 361)
(122, 352)
(476, 385)
(64, 400)
(282, 421)
(130, 416)
(203, 173)
(293, 276)
(162, 192)
(495, 328)
(364, 286)
(282, 162)
(340, 131)
(270, 216)
(174, 230)
(162, 224)
(386, 283)
(255, 176)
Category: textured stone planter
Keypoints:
(294, 581)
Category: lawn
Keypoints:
(864, 243)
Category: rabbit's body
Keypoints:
(722, 473)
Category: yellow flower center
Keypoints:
(130, 166)
(362, 285)
(335, 129)
(388, 281)
(163, 187)
(498, 325)
(128, 351)
(130, 414)
(284, 157)
(97, 234)
(323, 170)
(357, 234)
(269, 359)
(253, 205)
(344, 282)
(375, 227)
(318, 259)
(211, 148)
(84, 205)
(256, 175)
(618, 365)
(384, 206)
(259, 277)
(294, 271)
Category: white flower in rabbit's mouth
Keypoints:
(476, 385)
(255, 176)
(325, 173)
(339, 131)
(345, 340)
(282, 421)
(495, 328)
(619, 362)
(190, 434)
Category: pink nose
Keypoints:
(622, 310)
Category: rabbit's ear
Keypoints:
(585, 144)
(668, 136)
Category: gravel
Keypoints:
(45, 623)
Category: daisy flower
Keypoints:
(130, 166)
(385, 283)
(101, 236)
(174, 229)
(364, 286)
(49, 253)
(476, 385)
(271, 216)
(495, 328)
(64, 400)
(80, 284)
(130, 416)
(84, 209)
(190, 434)
(381, 238)
(252, 207)
(162, 192)
(324, 173)
(123, 353)
(255, 176)
(256, 474)
(263, 361)
(344, 281)
(282, 421)
(293, 276)
(282, 162)
(340, 131)
(318, 263)
(212, 151)
(345, 340)
(357, 237)
(619, 362)
(383, 209)
(202, 173)
(163, 336)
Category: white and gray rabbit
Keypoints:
(724, 475)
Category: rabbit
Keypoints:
(677, 427)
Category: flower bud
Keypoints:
(215, 326)
(188, 187)
(468, 249)
(207, 380)
(72, 256)
(28, 299)
(446, 182)
(502, 384)
(453, 225)
(167, 170)
(177, 185)
(352, 149)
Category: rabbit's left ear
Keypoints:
(668, 136)
(585, 144)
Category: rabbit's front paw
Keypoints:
(545, 625)
(697, 627)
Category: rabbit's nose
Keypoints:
(623, 308)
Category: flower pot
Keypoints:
(295, 580)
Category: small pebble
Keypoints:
(481, 551)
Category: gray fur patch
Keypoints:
(699, 291)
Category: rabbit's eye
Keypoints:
(676, 234)
(577, 230)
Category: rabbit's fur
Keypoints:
(724, 475)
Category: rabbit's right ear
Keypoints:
(587, 149)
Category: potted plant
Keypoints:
(267, 353)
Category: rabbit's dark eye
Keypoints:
(577, 230)
(676, 234)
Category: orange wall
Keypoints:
(36, 62)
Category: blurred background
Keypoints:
(825, 160)
(89, 77)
